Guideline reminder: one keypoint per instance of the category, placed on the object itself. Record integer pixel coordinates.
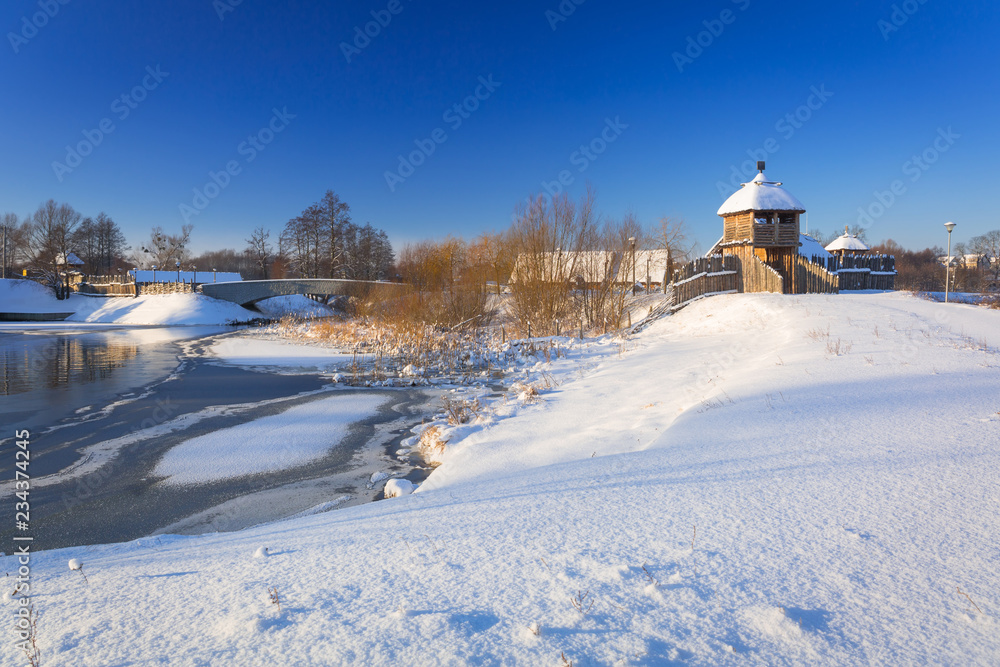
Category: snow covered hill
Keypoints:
(758, 479)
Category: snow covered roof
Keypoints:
(847, 242)
(811, 247)
(760, 194)
(73, 260)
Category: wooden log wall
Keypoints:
(861, 272)
(706, 275)
(165, 288)
(815, 278)
(755, 275)
(107, 289)
(738, 227)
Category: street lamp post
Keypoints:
(213, 274)
(154, 273)
(178, 264)
(631, 241)
(947, 271)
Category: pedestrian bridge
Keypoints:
(248, 292)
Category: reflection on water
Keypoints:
(60, 361)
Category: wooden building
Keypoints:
(761, 226)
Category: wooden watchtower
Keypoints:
(761, 222)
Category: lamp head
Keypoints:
(949, 226)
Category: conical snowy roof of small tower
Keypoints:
(846, 242)
(760, 194)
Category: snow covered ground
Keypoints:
(758, 479)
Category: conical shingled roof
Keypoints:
(760, 194)
(846, 242)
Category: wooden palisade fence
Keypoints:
(858, 272)
(815, 278)
(705, 276)
(745, 272)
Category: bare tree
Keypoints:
(259, 251)
(547, 237)
(336, 220)
(494, 252)
(111, 245)
(164, 250)
(13, 234)
(672, 235)
(987, 246)
(99, 243)
(51, 233)
(85, 243)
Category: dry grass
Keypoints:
(26, 629)
(583, 601)
(273, 595)
(818, 334)
(959, 588)
(461, 411)
(431, 443)
(836, 347)
(383, 347)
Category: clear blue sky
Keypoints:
(887, 95)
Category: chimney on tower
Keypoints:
(760, 166)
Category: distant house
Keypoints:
(69, 261)
(971, 260)
(592, 267)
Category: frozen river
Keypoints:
(139, 430)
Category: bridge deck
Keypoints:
(249, 292)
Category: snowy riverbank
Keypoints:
(26, 296)
(757, 479)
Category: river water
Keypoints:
(103, 406)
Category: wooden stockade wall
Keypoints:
(134, 289)
(718, 274)
(815, 278)
(755, 275)
(857, 272)
(107, 289)
(759, 277)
